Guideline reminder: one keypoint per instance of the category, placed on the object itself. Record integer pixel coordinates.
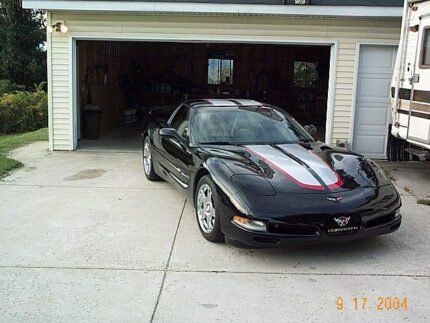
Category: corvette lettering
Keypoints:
(337, 230)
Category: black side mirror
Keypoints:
(311, 129)
(168, 133)
(186, 135)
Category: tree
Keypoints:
(22, 44)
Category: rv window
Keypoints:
(426, 48)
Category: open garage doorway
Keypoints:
(124, 85)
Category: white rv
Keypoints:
(410, 91)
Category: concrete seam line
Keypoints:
(166, 268)
(80, 268)
(301, 273)
(98, 187)
(217, 271)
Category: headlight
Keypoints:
(253, 185)
(249, 224)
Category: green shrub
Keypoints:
(23, 111)
(7, 86)
(7, 165)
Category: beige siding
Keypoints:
(60, 92)
(346, 32)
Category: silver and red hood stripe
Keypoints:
(300, 165)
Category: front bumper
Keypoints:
(309, 234)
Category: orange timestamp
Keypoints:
(380, 303)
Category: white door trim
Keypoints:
(73, 37)
(73, 72)
(331, 95)
(355, 84)
(49, 85)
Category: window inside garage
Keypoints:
(131, 83)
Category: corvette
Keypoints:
(257, 178)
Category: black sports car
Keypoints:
(258, 178)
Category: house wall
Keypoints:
(345, 33)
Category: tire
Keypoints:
(206, 202)
(148, 166)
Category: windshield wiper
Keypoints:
(217, 143)
(305, 141)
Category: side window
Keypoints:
(180, 121)
(425, 51)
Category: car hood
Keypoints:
(297, 168)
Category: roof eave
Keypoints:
(214, 8)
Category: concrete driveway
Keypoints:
(84, 237)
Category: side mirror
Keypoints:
(186, 135)
(168, 133)
(311, 129)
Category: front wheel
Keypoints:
(148, 166)
(206, 199)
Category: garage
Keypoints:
(124, 85)
(114, 63)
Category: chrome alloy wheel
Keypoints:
(147, 159)
(205, 208)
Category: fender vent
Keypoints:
(324, 148)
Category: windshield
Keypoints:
(245, 125)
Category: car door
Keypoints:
(176, 153)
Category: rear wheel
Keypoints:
(206, 199)
(148, 166)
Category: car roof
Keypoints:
(202, 103)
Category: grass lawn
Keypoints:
(425, 201)
(10, 142)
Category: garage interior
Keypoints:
(124, 84)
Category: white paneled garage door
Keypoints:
(372, 109)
